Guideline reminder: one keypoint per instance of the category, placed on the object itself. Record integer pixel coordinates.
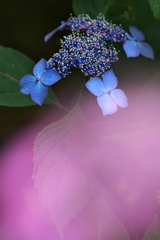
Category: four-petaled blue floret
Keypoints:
(134, 45)
(108, 97)
(37, 85)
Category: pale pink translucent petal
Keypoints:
(119, 98)
(107, 105)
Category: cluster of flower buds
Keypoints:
(89, 47)
(90, 53)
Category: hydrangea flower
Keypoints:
(37, 85)
(90, 53)
(107, 96)
(134, 45)
(88, 47)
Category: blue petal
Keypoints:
(110, 80)
(129, 37)
(39, 68)
(131, 49)
(50, 77)
(146, 50)
(137, 34)
(39, 93)
(49, 35)
(27, 83)
(96, 86)
(107, 105)
(119, 98)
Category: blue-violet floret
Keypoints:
(134, 46)
(37, 85)
(108, 97)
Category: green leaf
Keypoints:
(117, 10)
(155, 6)
(153, 231)
(13, 66)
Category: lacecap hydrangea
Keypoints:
(89, 47)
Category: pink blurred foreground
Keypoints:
(126, 165)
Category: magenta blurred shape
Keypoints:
(125, 170)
